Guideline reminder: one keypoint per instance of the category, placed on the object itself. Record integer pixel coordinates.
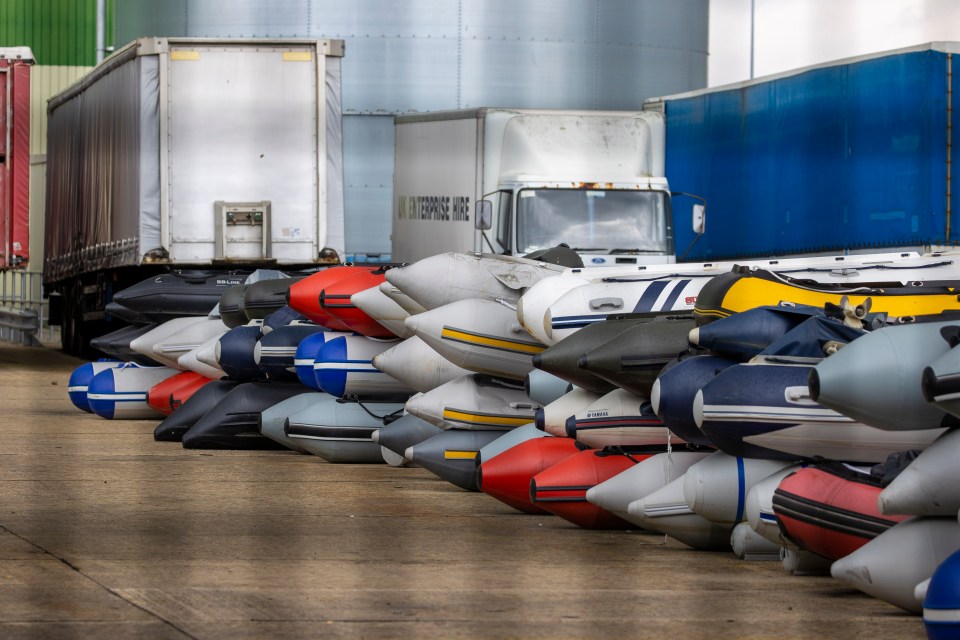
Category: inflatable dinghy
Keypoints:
(416, 365)
(561, 488)
(170, 394)
(340, 431)
(475, 402)
(451, 455)
(830, 509)
(234, 422)
(507, 476)
(120, 393)
(203, 400)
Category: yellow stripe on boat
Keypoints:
(480, 418)
(747, 293)
(460, 455)
(531, 348)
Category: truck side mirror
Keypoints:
(483, 218)
(699, 218)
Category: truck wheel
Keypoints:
(66, 325)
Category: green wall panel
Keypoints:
(60, 32)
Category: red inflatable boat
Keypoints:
(335, 302)
(168, 395)
(830, 509)
(507, 476)
(562, 488)
(304, 296)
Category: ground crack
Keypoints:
(87, 576)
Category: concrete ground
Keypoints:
(105, 533)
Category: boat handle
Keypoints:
(601, 303)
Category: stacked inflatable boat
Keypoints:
(802, 410)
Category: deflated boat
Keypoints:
(619, 418)
(170, 394)
(561, 488)
(451, 455)
(344, 367)
(173, 295)
(475, 402)
(830, 509)
(120, 393)
(416, 365)
(745, 288)
(479, 335)
(507, 476)
(234, 422)
(339, 430)
(203, 400)
(79, 382)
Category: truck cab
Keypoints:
(606, 223)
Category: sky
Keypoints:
(790, 34)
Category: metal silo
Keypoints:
(430, 55)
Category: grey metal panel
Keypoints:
(393, 75)
(136, 18)
(504, 21)
(649, 68)
(368, 182)
(248, 18)
(677, 24)
(376, 18)
(528, 74)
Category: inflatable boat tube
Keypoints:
(451, 455)
(676, 388)
(170, 394)
(344, 367)
(876, 379)
(203, 400)
(475, 402)
(482, 336)
(120, 393)
(635, 358)
(507, 476)
(79, 382)
(234, 422)
(340, 431)
(883, 570)
(641, 480)
(619, 418)
(561, 488)
(416, 365)
(830, 509)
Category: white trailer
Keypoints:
(192, 153)
(519, 180)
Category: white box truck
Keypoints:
(191, 153)
(520, 180)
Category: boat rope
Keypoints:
(383, 418)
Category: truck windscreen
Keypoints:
(592, 220)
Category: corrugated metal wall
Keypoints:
(429, 55)
(60, 32)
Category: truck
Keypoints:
(185, 154)
(514, 181)
(15, 63)
(852, 155)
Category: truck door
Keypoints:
(505, 235)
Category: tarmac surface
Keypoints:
(105, 533)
